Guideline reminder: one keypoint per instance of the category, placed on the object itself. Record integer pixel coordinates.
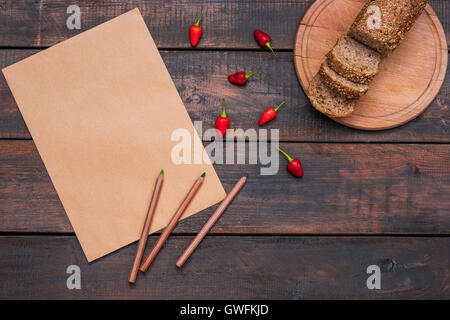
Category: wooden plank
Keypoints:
(347, 189)
(226, 24)
(232, 268)
(201, 81)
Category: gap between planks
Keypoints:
(175, 49)
(268, 235)
(306, 141)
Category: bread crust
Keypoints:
(342, 86)
(320, 95)
(396, 17)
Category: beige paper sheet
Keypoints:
(101, 108)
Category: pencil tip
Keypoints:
(162, 172)
(203, 175)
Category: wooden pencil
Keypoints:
(145, 230)
(210, 223)
(176, 217)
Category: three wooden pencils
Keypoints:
(173, 222)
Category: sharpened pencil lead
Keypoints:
(162, 172)
(203, 175)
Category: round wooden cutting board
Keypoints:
(408, 80)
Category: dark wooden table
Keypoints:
(367, 198)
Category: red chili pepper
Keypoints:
(263, 39)
(222, 122)
(294, 166)
(195, 32)
(240, 78)
(269, 114)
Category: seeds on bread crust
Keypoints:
(382, 24)
(354, 60)
(340, 84)
(328, 101)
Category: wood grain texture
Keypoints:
(346, 189)
(408, 80)
(200, 78)
(226, 24)
(233, 268)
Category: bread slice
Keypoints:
(382, 24)
(328, 101)
(340, 84)
(353, 60)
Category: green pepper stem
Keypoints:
(276, 109)
(286, 155)
(249, 75)
(224, 114)
(267, 44)
(199, 18)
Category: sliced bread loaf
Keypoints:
(341, 85)
(353, 60)
(382, 24)
(328, 101)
